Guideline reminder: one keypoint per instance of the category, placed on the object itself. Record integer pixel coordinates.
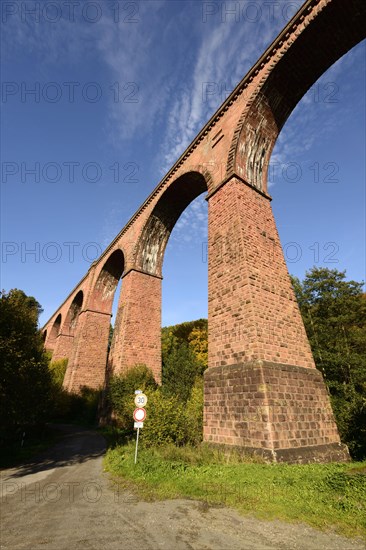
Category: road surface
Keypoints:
(64, 501)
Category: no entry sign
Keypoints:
(139, 415)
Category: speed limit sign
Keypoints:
(140, 400)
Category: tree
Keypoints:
(25, 381)
(334, 315)
(180, 370)
(198, 342)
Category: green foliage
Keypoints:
(110, 336)
(334, 315)
(198, 342)
(180, 370)
(79, 408)
(165, 420)
(169, 420)
(122, 392)
(193, 414)
(58, 371)
(75, 408)
(191, 333)
(25, 381)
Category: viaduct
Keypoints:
(262, 390)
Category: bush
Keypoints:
(179, 372)
(169, 418)
(122, 392)
(170, 421)
(165, 422)
(69, 407)
(76, 408)
(193, 414)
(58, 371)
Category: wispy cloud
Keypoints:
(224, 54)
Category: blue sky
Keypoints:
(119, 91)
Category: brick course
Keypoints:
(272, 409)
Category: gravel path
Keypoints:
(64, 501)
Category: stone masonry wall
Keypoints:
(269, 407)
(253, 312)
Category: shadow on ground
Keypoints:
(76, 446)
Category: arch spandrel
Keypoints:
(324, 32)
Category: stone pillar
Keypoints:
(262, 390)
(63, 347)
(87, 365)
(137, 331)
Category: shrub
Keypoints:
(171, 421)
(179, 372)
(169, 418)
(193, 414)
(58, 371)
(76, 408)
(165, 422)
(122, 391)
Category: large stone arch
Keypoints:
(158, 227)
(336, 29)
(88, 364)
(65, 341)
(110, 272)
(51, 339)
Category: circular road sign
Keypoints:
(140, 400)
(139, 415)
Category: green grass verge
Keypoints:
(325, 496)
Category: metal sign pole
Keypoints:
(137, 442)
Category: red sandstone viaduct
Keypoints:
(262, 390)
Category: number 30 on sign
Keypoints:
(140, 400)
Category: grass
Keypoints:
(325, 496)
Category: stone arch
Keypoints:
(52, 335)
(44, 335)
(65, 341)
(88, 364)
(55, 330)
(308, 53)
(73, 314)
(157, 230)
(107, 281)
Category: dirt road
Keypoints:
(65, 501)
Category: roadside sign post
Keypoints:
(137, 443)
(139, 415)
